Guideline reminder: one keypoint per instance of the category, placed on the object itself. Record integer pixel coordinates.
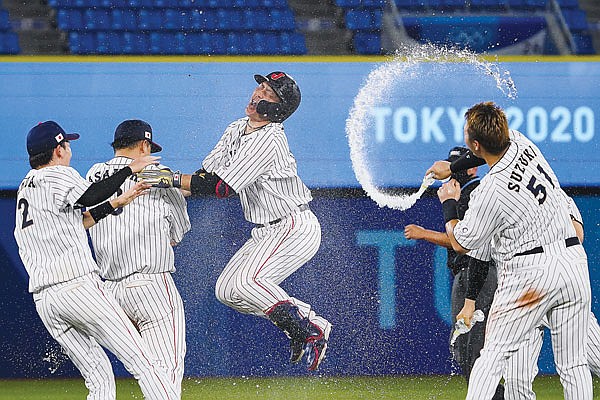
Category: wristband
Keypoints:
(450, 209)
(101, 211)
(176, 179)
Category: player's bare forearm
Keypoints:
(416, 232)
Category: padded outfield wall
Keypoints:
(387, 298)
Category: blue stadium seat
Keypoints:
(348, 3)
(141, 3)
(108, 42)
(272, 4)
(576, 20)
(363, 19)
(206, 43)
(9, 43)
(292, 43)
(229, 19)
(583, 44)
(67, 3)
(204, 20)
(412, 5)
(124, 20)
(452, 4)
(135, 43)
(167, 43)
(489, 4)
(150, 20)
(4, 21)
(367, 42)
(281, 20)
(96, 20)
(82, 43)
(246, 3)
(239, 43)
(266, 43)
(254, 19)
(69, 19)
(177, 19)
(568, 3)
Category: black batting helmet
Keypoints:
(288, 92)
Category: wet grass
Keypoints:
(289, 388)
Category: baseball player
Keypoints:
(521, 367)
(69, 295)
(253, 159)
(519, 208)
(466, 348)
(136, 260)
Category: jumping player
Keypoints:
(68, 293)
(136, 260)
(519, 208)
(253, 159)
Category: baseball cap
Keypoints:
(456, 152)
(135, 129)
(46, 136)
(284, 86)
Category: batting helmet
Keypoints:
(288, 92)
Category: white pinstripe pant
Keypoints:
(154, 305)
(555, 284)
(80, 314)
(250, 281)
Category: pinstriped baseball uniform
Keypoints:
(519, 207)
(69, 295)
(134, 252)
(261, 169)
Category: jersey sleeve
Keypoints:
(481, 220)
(66, 186)
(179, 218)
(573, 209)
(483, 253)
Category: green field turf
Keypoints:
(318, 388)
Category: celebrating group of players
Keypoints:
(517, 220)
(125, 299)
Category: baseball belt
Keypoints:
(572, 241)
(301, 207)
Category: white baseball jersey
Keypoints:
(68, 294)
(519, 206)
(261, 169)
(49, 229)
(137, 238)
(135, 253)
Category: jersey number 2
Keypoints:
(25, 206)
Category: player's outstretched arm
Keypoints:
(449, 193)
(416, 232)
(200, 183)
(93, 215)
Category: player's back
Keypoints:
(48, 226)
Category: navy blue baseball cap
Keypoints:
(133, 130)
(456, 152)
(46, 136)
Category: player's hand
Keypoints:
(467, 312)
(139, 189)
(139, 163)
(414, 232)
(449, 190)
(440, 170)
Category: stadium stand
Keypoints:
(9, 41)
(502, 26)
(179, 27)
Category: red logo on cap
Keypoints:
(59, 138)
(277, 76)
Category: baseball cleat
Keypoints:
(296, 351)
(315, 348)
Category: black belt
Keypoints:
(301, 207)
(572, 241)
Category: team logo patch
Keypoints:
(277, 76)
(148, 135)
(59, 138)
